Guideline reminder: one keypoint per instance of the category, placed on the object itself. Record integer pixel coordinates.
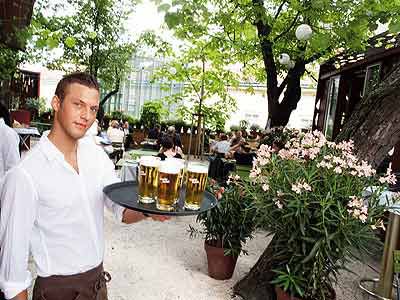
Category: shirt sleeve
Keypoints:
(18, 213)
(110, 177)
(12, 153)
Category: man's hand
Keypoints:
(130, 216)
(159, 218)
(21, 296)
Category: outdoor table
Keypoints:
(137, 153)
(128, 169)
(25, 134)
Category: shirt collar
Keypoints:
(2, 123)
(49, 149)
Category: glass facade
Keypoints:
(138, 88)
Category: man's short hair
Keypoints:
(78, 77)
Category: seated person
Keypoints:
(154, 134)
(168, 149)
(222, 146)
(176, 138)
(115, 134)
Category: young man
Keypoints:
(9, 146)
(53, 205)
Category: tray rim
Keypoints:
(143, 209)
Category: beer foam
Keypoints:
(169, 167)
(196, 168)
(178, 161)
(150, 161)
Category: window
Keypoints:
(330, 113)
(372, 78)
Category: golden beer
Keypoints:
(196, 182)
(168, 185)
(148, 178)
(181, 164)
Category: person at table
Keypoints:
(9, 145)
(154, 133)
(176, 138)
(53, 205)
(222, 146)
(168, 149)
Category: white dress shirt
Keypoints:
(9, 148)
(222, 147)
(54, 212)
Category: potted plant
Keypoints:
(227, 227)
(310, 196)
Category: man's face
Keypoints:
(77, 111)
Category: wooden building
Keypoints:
(346, 78)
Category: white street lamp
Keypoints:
(284, 58)
(303, 32)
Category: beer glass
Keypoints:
(196, 181)
(181, 163)
(147, 178)
(168, 185)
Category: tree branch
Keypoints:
(263, 32)
(317, 55)
(289, 28)
(279, 9)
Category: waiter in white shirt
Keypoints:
(9, 145)
(53, 205)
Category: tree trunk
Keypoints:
(374, 125)
(256, 284)
(279, 113)
(100, 113)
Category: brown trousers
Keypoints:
(90, 285)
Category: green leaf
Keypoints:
(70, 42)
(394, 26)
(172, 19)
(164, 7)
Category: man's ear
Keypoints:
(56, 103)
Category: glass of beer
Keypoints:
(148, 178)
(181, 163)
(168, 185)
(196, 181)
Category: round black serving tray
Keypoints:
(125, 194)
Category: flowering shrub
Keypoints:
(232, 221)
(310, 196)
(278, 136)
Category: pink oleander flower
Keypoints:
(265, 187)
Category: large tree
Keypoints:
(257, 32)
(92, 36)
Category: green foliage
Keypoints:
(90, 37)
(279, 136)
(311, 196)
(151, 114)
(232, 221)
(226, 32)
(36, 104)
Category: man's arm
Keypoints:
(18, 213)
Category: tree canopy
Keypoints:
(91, 35)
(256, 32)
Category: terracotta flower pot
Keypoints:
(220, 267)
(282, 295)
